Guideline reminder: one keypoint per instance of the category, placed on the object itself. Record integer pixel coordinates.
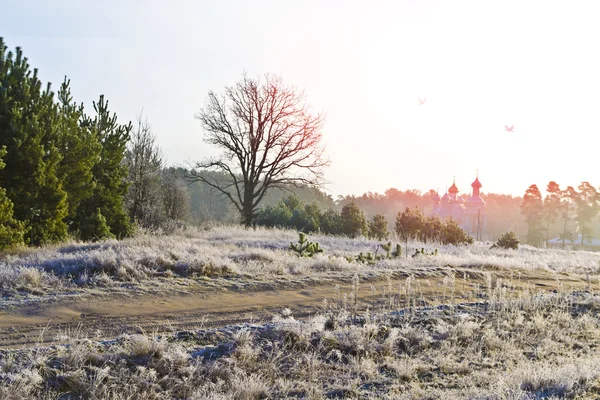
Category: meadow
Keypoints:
(469, 322)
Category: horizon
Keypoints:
(479, 67)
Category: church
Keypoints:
(469, 214)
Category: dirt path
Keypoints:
(102, 318)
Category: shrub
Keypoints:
(508, 240)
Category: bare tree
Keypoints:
(145, 163)
(268, 138)
(175, 195)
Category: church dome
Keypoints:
(445, 198)
(453, 188)
(476, 183)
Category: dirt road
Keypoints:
(107, 317)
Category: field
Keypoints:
(225, 312)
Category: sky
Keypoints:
(480, 65)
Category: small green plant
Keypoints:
(422, 252)
(508, 240)
(366, 258)
(304, 247)
(398, 252)
(387, 247)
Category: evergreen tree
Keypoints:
(378, 227)
(453, 234)
(277, 215)
(110, 173)
(567, 209)
(552, 206)
(29, 128)
(353, 221)
(80, 148)
(409, 225)
(587, 203)
(94, 227)
(11, 230)
(330, 222)
(432, 231)
(307, 218)
(532, 209)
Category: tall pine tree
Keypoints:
(552, 206)
(11, 230)
(109, 174)
(80, 148)
(29, 130)
(587, 202)
(532, 209)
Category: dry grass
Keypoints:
(236, 253)
(527, 347)
(507, 345)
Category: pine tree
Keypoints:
(532, 209)
(80, 149)
(11, 230)
(552, 206)
(110, 173)
(453, 234)
(94, 227)
(378, 227)
(353, 220)
(330, 222)
(587, 203)
(29, 130)
(409, 225)
(567, 210)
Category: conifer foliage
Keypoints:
(11, 231)
(62, 169)
(532, 209)
(29, 120)
(353, 221)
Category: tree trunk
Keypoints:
(247, 208)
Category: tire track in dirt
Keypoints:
(106, 318)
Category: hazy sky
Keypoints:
(480, 65)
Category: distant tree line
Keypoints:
(410, 224)
(571, 211)
(502, 211)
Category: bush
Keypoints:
(508, 240)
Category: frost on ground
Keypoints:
(539, 347)
(239, 254)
